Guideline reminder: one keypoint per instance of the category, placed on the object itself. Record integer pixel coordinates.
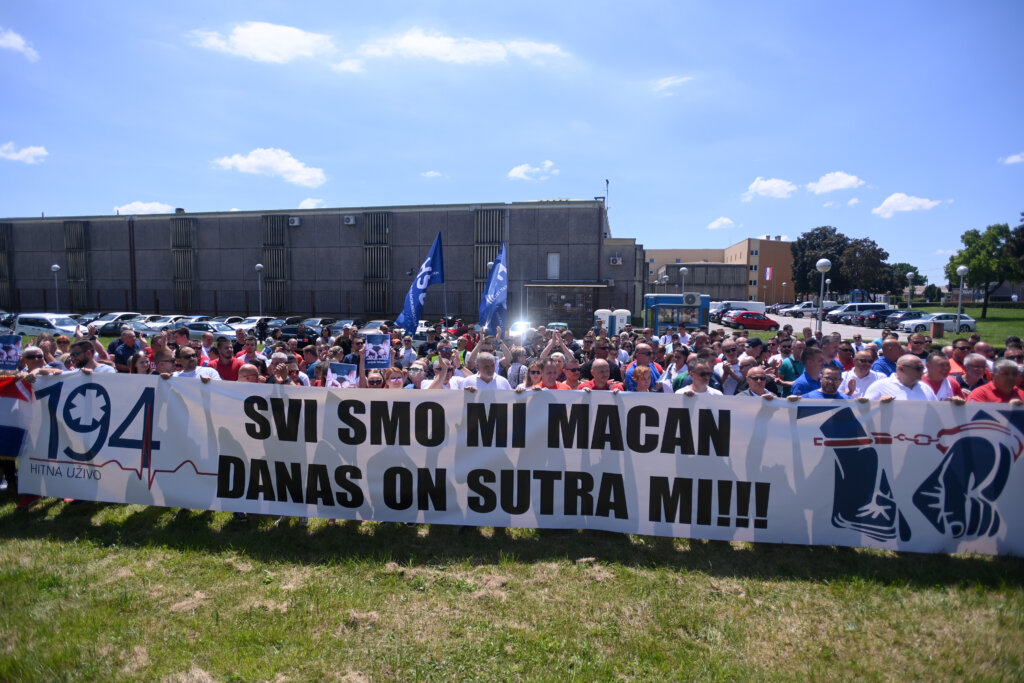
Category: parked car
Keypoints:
(247, 325)
(519, 328)
(948, 320)
(87, 318)
(894, 321)
(557, 327)
(749, 320)
(313, 327)
(875, 319)
(278, 323)
(197, 330)
(167, 322)
(33, 324)
(373, 327)
(228, 319)
(775, 308)
(113, 329)
(339, 325)
(196, 319)
(114, 318)
(836, 314)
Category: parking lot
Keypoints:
(847, 331)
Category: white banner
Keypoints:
(915, 476)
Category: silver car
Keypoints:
(197, 330)
(948, 320)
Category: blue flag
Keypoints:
(431, 272)
(494, 304)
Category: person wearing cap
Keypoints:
(903, 385)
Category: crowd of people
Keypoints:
(688, 362)
(788, 366)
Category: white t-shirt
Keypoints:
(710, 391)
(200, 371)
(728, 385)
(891, 386)
(860, 384)
(497, 383)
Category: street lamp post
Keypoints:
(56, 289)
(823, 265)
(962, 272)
(259, 278)
(683, 272)
(910, 288)
(828, 287)
(664, 283)
(784, 291)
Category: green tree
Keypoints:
(932, 293)
(823, 242)
(990, 258)
(863, 266)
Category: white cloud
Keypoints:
(352, 66)
(837, 180)
(720, 222)
(830, 204)
(1013, 159)
(853, 202)
(28, 155)
(417, 44)
(311, 203)
(263, 42)
(275, 162)
(527, 172)
(901, 202)
(771, 187)
(9, 40)
(139, 208)
(662, 85)
(431, 174)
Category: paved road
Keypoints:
(867, 333)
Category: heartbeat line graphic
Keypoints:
(150, 476)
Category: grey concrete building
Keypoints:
(563, 261)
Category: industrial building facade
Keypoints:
(751, 270)
(563, 262)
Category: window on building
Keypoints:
(753, 269)
(753, 283)
(554, 260)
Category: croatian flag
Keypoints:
(431, 272)
(494, 303)
(767, 274)
(15, 415)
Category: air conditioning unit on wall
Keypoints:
(691, 299)
(294, 221)
(349, 220)
(615, 260)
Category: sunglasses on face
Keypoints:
(535, 372)
(375, 382)
(756, 378)
(33, 356)
(572, 369)
(702, 374)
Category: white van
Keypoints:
(738, 305)
(34, 324)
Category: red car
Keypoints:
(749, 320)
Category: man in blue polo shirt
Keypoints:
(891, 352)
(831, 378)
(813, 360)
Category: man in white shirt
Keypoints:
(190, 366)
(856, 381)
(903, 385)
(485, 379)
(728, 371)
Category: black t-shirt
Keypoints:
(614, 372)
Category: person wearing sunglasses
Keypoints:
(444, 374)
(190, 367)
(903, 385)
(700, 374)
(533, 376)
(83, 358)
(602, 351)
(856, 381)
(643, 356)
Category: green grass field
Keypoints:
(111, 592)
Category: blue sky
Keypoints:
(899, 121)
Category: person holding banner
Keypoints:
(485, 377)
(1003, 387)
(600, 378)
(904, 385)
(189, 358)
(700, 375)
